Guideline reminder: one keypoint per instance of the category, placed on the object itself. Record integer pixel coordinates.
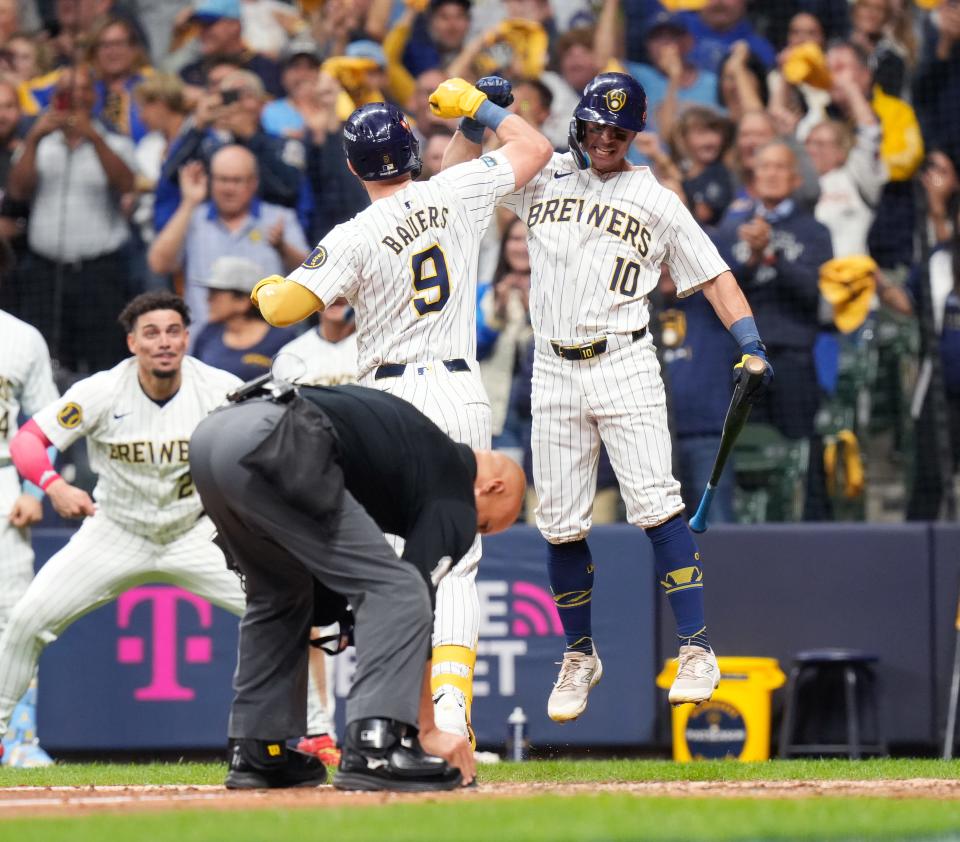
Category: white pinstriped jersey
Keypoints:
(596, 244)
(26, 377)
(140, 450)
(311, 360)
(408, 264)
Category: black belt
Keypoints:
(589, 350)
(397, 369)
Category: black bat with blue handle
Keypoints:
(744, 394)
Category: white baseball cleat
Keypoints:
(450, 711)
(698, 675)
(579, 674)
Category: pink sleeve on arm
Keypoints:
(28, 449)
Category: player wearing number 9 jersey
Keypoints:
(408, 265)
(599, 231)
(148, 523)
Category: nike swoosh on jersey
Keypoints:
(561, 174)
(121, 415)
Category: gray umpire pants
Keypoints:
(277, 549)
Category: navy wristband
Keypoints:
(745, 331)
(491, 115)
(472, 130)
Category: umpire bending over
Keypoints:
(302, 486)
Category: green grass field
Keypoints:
(584, 817)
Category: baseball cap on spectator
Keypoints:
(664, 23)
(302, 46)
(234, 274)
(366, 48)
(210, 11)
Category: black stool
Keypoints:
(820, 669)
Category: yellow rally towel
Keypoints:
(527, 40)
(846, 442)
(849, 283)
(807, 63)
(928, 4)
(683, 5)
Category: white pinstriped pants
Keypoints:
(16, 554)
(101, 561)
(458, 404)
(619, 398)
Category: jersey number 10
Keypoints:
(430, 280)
(625, 275)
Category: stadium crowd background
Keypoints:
(141, 140)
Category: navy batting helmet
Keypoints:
(612, 99)
(380, 144)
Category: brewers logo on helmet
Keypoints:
(611, 99)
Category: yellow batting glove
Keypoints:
(456, 98)
(265, 282)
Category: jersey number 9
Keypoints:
(430, 280)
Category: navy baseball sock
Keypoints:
(677, 562)
(570, 567)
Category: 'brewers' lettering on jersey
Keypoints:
(611, 220)
(596, 244)
(139, 449)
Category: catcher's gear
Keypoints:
(379, 143)
(456, 98)
(611, 99)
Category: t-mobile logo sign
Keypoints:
(164, 655)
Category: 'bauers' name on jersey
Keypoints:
(606, 217)
(414, 225)
(148, 452)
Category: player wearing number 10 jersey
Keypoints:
(408, 265)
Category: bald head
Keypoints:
(499, 489)
(233, 173)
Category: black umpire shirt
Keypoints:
(409, 475)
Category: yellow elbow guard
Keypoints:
(284, 302)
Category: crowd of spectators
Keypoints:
(193, 145)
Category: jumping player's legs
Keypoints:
(100, 561)
(632, 418)
(566, 448)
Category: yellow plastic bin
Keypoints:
(735, 723)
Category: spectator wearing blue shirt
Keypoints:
(438, 36)
(936, 86)
(670, 72)
(775, 248)
(234, 222)
(717, 27)
(285, 117)
(237, 339)
(697, 350)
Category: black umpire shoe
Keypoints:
(262, 764)
(386, 754)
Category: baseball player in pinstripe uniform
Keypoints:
(147, 523)
(26, 384)
(408, 264)
(599, 230)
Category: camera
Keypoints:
(230, 97)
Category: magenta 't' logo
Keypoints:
(163, 686)
(534, 612)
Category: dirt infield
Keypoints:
(20, 802)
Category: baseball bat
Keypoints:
(737, 414)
